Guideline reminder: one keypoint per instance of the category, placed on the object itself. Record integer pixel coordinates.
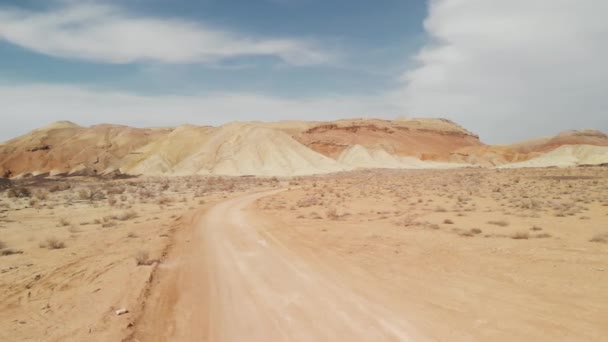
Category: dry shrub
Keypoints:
(476, 231)
(448, 221)
(600, 238)
(500, 223)
(4, 251)
(90, 194)
(52, 243)
(63, 222)
(127, 215)
(116, 190)
(164, 200)
(142, 258)
(332, 214)
(42, 195)
(112, 201)
(19, 192)
(307, 202)
(74, 229)
(9, 251)
(59, 187)
(520, 236)
(109, 224)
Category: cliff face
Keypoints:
(413, 137)
(575, 137)
(65, 147)
(526, 150)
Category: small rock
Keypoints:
(121, 311)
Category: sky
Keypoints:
(507, 70)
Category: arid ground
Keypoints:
(382, 255)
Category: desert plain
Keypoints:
(466, 254)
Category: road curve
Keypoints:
(260, 291)
(229, 280)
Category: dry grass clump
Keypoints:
(63, 222)
(9, 251)
(476, 231)
(42, 195)
(448, 221)
(600, 238)
(60, 187)
(142, 258)
(52, 243)
(164, 200)
(127, 215)
(116, 190)
(501, 223)
(520, 236)
(4, 251)
(19, 192)
(307, 202)
(108, 224)
(90, 194)
(332, 214)
(112, 201)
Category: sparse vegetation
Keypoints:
(127, 215)
(600, 238)
(19, 192)
(4, 251)
(52, 243)
(9, 251)
(142, 258)
(500, 223)
(520, 236)
(63, 222)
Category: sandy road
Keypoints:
(247, 287)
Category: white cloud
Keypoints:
(105, 33)
(513, 69)
(28, 107)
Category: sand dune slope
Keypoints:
(248, 149)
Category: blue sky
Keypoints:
(369, 44)
(488, 66)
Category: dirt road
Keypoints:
(234, 282)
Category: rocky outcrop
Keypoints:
(406, 137)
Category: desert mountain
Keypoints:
(279, 148)
(526, 150)
(403, 137)
(65, 147)
(577, 137)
